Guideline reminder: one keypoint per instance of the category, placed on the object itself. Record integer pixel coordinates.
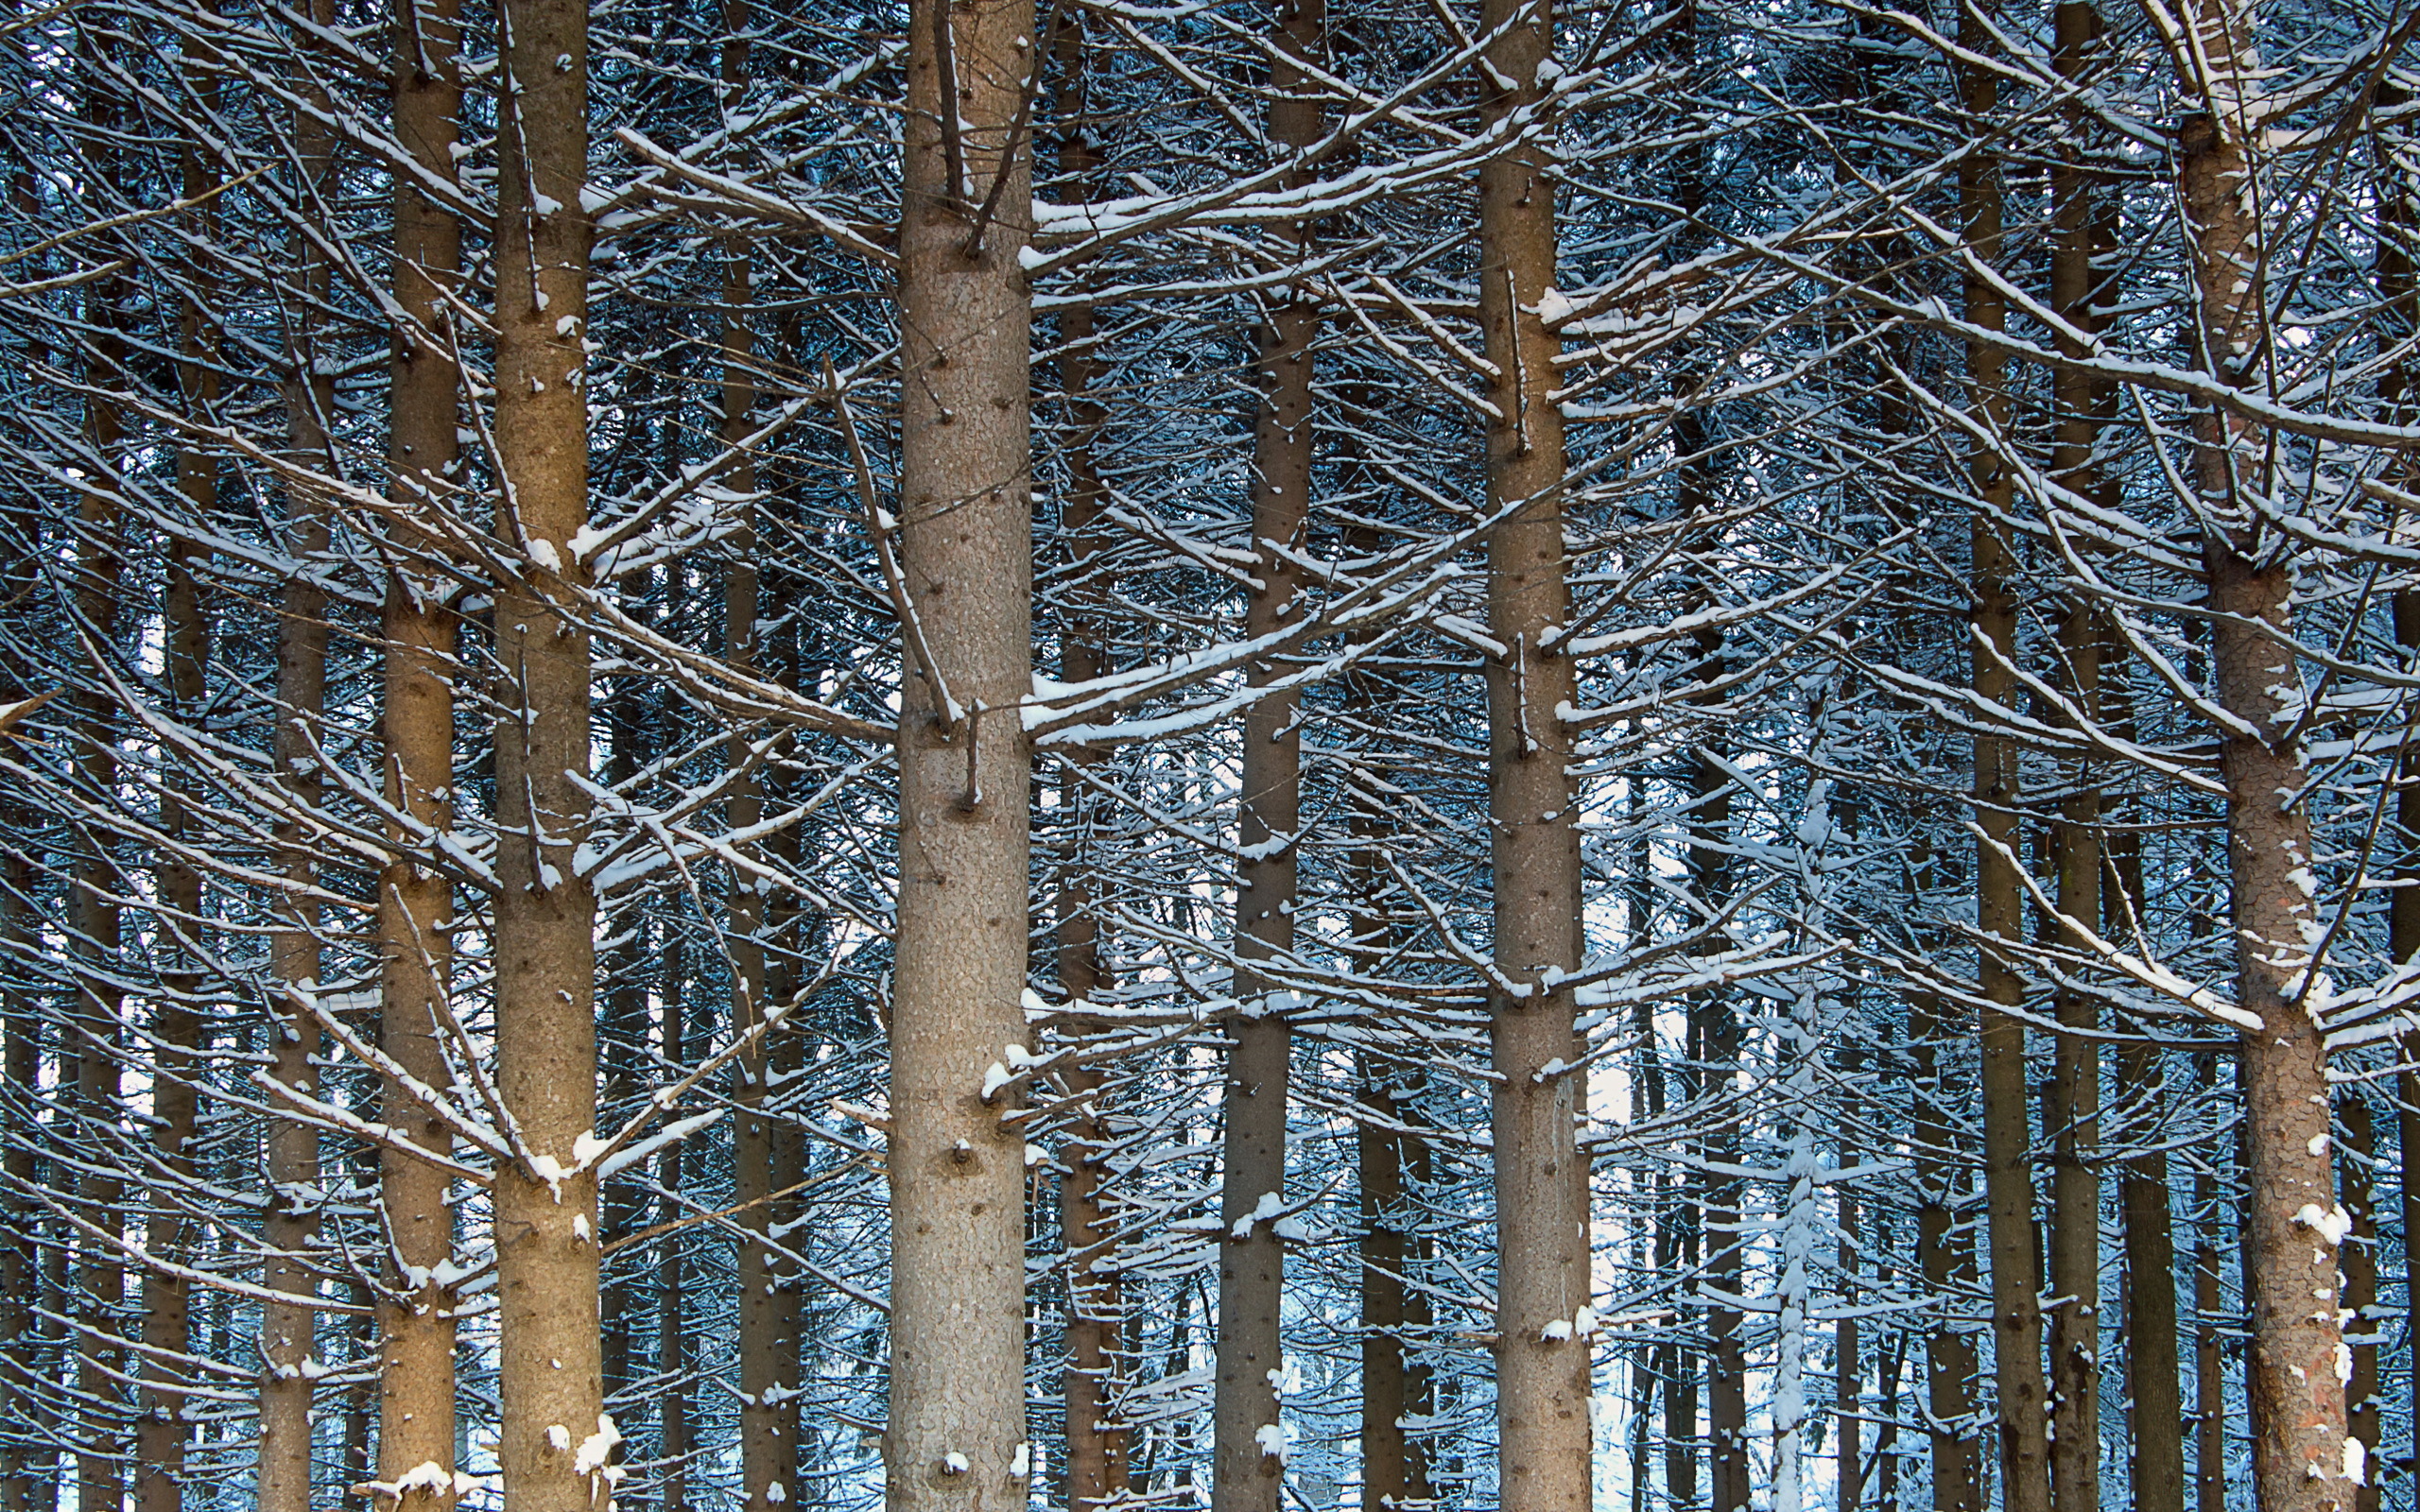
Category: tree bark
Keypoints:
(290, 1230)
(554, 1430)
(1536, 1105)
(2300, 1459)
(955, 1438)
(1247, 1414)
(2008, 1182)
(1098, 1469)
(1945, 1242)
(415, 900)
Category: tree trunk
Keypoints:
(955, 1438)
(1540, 1179)
(1251, 1452)
(2152, 1363)
(2072, 1098)
(2358, 1260)
(162, 1434)
(415, 901)
(2209, 1382)
(1848, 1368)
(672, 1339)
(290, 1230)
(1097, 1449)
(1945, 1242)
(93, 1041)
(2300, 1459)
(2008, 1181)
(554, 1431)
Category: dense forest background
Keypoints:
(1338, 754)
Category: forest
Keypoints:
(1244, 755)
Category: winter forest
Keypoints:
(1257, 755)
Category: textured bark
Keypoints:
(2209, 1382)
(550, 1381)
(1945, 1245)
(2072, 1098)
(2399, 289)
(1098, 1469)
(1848, 1366)
(21, 1253)
(415, 901)
(2359, 1261)
(956, 1172)
(1248, 1469)
(2152, 1361)
(161, 1433)
(2008, 1182)
(89, 1057)
(291, 1228)
(1540, 1179)
(672, 1434)
(2297, 1397)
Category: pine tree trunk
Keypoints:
(2152, 1363)
(550, 1386)
(672, 1434)
(2358, 1260)
(2072, 1098)
(415, 902)
(1536, 1104)
(955, 1438)
(1848, 1366)
(94, 1033)
(1098, 1469)
(1247, 1414)
(2299, 1461)
(1944, 1240)
(290, 1230)
(21, 1252)
(2400, 218)
(162, 1434)
(2008, 1182)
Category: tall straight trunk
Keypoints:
(956, 1438)
(290, 1230)
(2359, 1261)
(1247, 1418)
(1394, 1386)
(554, 1431)
(2072, 1098)
(162, 1434)
(1098, 1469)
(415, 902)
(2209, 1379)
(1944, 1243)
(2152, 1358)
(21, 1235)
(95, 1038)
(767, 1422)
(2008, 1181)
(2399, 221)
(672, 1434)
(1542, 1322)
(1848, 1368)
(2301, 1461)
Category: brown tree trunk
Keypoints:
(554, 1431)
(672, 1434)
(2008, 1182)
(2359, 1259)
(21, 1249)
(2400, 291)
(290, 1230)
(1536, 1105)
(94, 1039)
(415, 901)
(2209, 1381)
(1848, 1365)
(162, 1434)
(2153, 1360)
(1098, 1448)
(1250, 1464)
(956, 1439)
(2072, 1098)
(2294, 1225)
(1944, 1244)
